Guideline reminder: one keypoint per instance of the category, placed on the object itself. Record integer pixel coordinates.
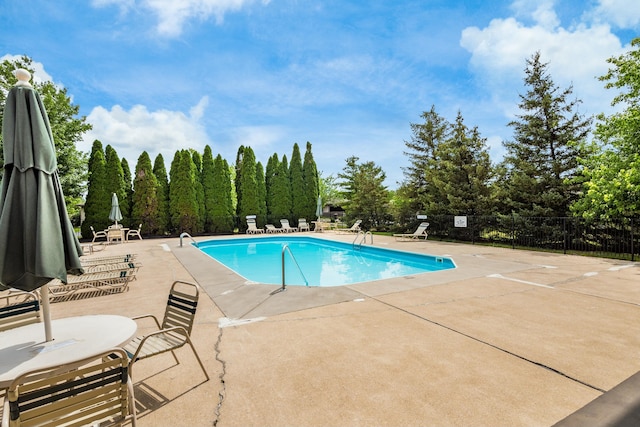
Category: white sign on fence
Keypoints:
(460, 221)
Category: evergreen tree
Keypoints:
(222, 212)
(115, 181)
(311, 184)
(459, 173)
(425, 139)
(238, 181)
(612, 170)
(208, 188)
(262, 195)
(128, 189)
(164, 217)
(269, 180)
(98, 200)
(368, 199)
(145, 196)
(197, 166)
(280, 191)
(298, 197)
(248, 203)
(541, 164)
(183, 204)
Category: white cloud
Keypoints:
(173, 15)
(622, 13)
(156, 132)
(576, 56)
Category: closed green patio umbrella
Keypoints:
(115, 214)
(37, 241)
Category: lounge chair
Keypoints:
(354, 228)
(97, 234)
(132, 266)
(103, 282)
(421, 232)
(286, 228)
(19, 309)
(115, 235)
(252, 228)
(114, 259)
(271, 229)
(99, 389)
(175, 330)
(135, 233)
(303, 225)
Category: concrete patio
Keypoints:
(509, 338)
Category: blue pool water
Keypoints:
(322, 262)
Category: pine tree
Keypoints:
(459, 173)
(542, 160)
(98, 200)
(128, 189)
(269, 180)
(248, 203)
(208, 188)
(425, 139)
(238, 180)
(183, 205)
(311, 184)
(160, 172)
(298, 197)
(262, 195)
(115, 181)
(280, 192)
(197, 167)
(222, 212)
(145, 196)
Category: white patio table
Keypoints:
(24, 349)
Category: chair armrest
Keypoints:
(143, 316)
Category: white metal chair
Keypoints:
(97, 234)
(135, 232)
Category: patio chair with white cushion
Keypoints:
(303, 225)
(286, 227)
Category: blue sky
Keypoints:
(348, 76)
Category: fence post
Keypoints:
(633, 252)
(513, 231)
(564, 235)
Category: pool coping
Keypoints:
(238, 298)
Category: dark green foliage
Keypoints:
(248, 203)
(222, 213)
(420, 149)
(269, 179)
(197, 164)
(311, 185)
(208, 188)
(183, 205)
(368, 198)
(145, 201)
(128, 189)
(115, 182)
(262, 195)
(160, 172)
(298, 197)
(458, 175)
(238, 180)
(279, 191)
(98, 201)
(541, 164)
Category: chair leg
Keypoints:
(195, 353)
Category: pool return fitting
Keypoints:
(286, 248)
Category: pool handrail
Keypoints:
(185, 234)
(364, 238)
(283, 288)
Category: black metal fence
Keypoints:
(614, 238)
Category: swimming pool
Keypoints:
(321, 262)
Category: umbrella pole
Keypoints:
(46, 312)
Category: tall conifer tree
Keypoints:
(311, 184)
(145, 196)
(98, 200)
(298, 197)
(160, 172)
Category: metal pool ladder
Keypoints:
(286, 248)
(363, 240)
(189, 236)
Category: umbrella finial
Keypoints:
(23, 77)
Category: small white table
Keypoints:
(24, 349)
